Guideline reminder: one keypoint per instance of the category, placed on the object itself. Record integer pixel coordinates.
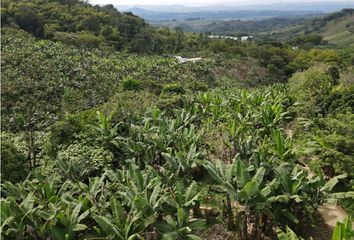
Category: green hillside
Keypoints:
(78, 23)
(335, 29)
(340, 31)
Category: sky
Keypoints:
(194, 2)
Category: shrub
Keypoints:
(198, 86)
(65, 132)
(80, 161)
(310, 88)
(131, 84)
(169, 103)
(340, 101)
(333, 71)
(14, 166)
(81, 39)
(173, 88)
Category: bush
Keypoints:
(14, 165)
(198, 86)
(80, 161)
(333, 71)
(131, 84)
(169, 103)
(340, 101)
(81, 39)
(15, 33)
(173, 88)
(310, 88)
(65, 132)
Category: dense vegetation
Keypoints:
(78, 23)
(105, 144)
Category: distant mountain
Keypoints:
(176, 8)
(153, 16)
(219, 11)
(323, 6)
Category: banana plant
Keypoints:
(343, 231)
(137, 186)
(119, 224)
(181, 197)
(181, 163)
(44, 212)
(235, 180)
(263, 193)
(282, 148)
(179, 226)
(107, 132)
(271, 116)
(68, 222)
(287, 235)
(16, 217)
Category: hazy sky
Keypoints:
(195, 2)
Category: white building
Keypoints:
(246, 38)
(184, 60)
(223, 37)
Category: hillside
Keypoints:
(340, 31)
(336, 29)
(109, 132)
(78, 23)
(226, 27)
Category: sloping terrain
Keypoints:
(336, 28)
(236, 25)
(340, 31)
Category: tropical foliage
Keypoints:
(101, 144)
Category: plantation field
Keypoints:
(167, 164)
(223, 144)
(106, 135)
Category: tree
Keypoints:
(27, 19)
(179, 40)
(14, 166)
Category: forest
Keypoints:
(105, 135)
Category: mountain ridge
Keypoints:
(324, 6)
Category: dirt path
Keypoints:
(328, 214)
(331, 214)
